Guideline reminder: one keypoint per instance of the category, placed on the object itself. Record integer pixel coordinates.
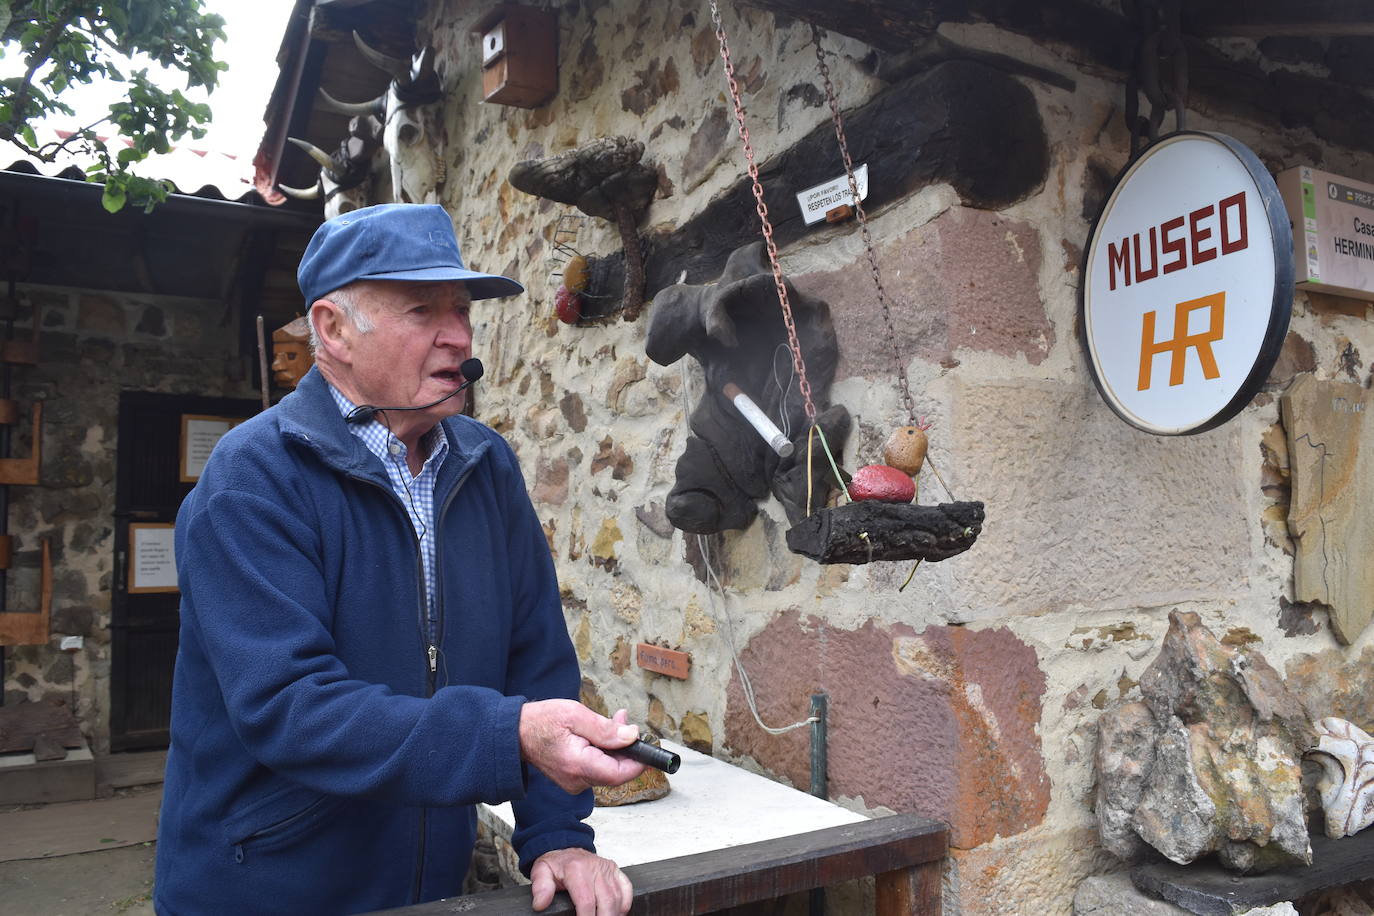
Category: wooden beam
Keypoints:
(1265, 18)
(890, 25)
(723, 878)
(899, 26)
(910, 890)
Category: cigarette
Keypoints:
(759, 420)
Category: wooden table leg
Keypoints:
(914, 891)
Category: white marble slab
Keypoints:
(712, 805)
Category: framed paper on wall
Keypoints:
(199, 433)
(152, 557)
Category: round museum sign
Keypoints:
(1187, 284)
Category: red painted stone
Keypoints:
(567, 305)
(883, 483)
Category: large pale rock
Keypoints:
(1210, 762)
(1333, 483)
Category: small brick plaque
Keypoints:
(659, 660)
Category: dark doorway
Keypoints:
(148, 491)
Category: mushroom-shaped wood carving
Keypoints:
(604, 178)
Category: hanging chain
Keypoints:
(762, 209)
(1160, 50)
(905, 386)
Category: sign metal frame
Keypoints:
(1281, 306)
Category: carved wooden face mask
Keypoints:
(291, 357)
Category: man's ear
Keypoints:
(333, 329)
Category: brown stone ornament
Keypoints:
(650, 785)
(906, 449)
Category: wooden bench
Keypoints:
(905, 852)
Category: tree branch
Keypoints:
(60, 147)
(39, 57)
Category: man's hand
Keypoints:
(597, 887)
(567, 742)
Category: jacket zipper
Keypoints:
(431, 656)
(275, 828)
(433, 647)
(433, 640)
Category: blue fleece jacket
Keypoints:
(317, 764)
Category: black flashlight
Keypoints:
(649, 755)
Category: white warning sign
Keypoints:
(817, 201)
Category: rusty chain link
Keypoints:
(1157, 24)
(907, 402)
(762, 210)
(838, 121)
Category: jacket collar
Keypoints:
(310, 417)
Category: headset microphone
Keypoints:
(471, 369)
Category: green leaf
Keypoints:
(73, 42)
(113, 198)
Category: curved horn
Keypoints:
(301, 193)
(315, 153)
(425, 65)
(399, 69)
(374, 107)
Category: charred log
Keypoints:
(862, 532)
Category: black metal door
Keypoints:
(149, 489)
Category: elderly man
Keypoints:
(371, 634)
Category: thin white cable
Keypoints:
(786, 423)
(724, 612)
(745, 683)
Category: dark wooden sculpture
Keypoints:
(734, 328)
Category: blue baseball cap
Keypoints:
(391, 242)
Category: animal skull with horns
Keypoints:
(417, 167)
(344, 176)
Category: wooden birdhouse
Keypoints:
(519, 56)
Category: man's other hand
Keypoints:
(567, 742)
(597, 887)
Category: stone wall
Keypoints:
(94, 345)
(971, 695)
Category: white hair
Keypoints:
(346, 298)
